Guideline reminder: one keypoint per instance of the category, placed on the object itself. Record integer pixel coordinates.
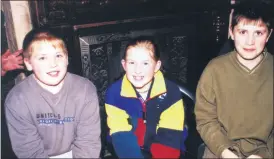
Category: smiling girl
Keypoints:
(145, 111)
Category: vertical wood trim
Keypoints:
(10, 32)
(33, 7)
(11, 35)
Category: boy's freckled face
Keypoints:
(49, 64)
(250, 39)
(140, 67)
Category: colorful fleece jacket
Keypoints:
(154, 125)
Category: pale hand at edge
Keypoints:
(254, 156)
(228, 154)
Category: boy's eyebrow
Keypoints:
(45, 54)
(261, 30)
(240, 29)
(60, 52)
(40, 54)
(258, 29)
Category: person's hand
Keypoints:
(254, 156)
(228, 154)
(11, 61)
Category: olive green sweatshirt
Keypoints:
(234, 106)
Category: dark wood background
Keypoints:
(189, 34)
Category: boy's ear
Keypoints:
(123, 62)
(28, 64)
(158, 66)
(269, 34)
(67, 60)
(231, 33)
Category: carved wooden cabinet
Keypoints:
(189, 33)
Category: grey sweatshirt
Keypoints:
(42, 124)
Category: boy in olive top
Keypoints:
(52, 113)
(234, 107)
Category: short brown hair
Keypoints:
(36, 36)
(252, 11)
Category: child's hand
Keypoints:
(228, 154)
(11, 61)
(254, 156)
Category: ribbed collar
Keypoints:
(158, 87)
(244, 69)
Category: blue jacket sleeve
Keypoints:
(170, 129)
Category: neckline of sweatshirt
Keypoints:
(243, 69)
(52, 99)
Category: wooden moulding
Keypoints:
(10, 33)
